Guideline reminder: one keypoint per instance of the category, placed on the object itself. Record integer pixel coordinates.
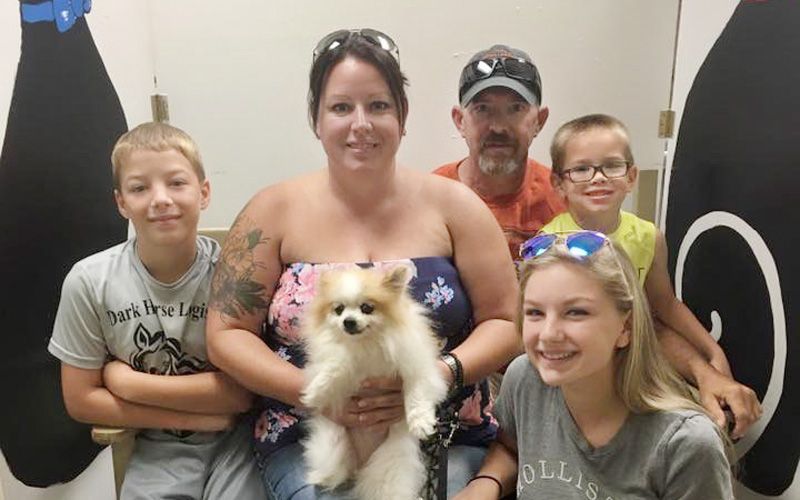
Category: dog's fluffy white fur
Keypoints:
(363, 323)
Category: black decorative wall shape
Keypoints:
(732, 220)
(56, 206)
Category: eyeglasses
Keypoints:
(334, 40)
(611, 169)
(580, 244)
(518, 69)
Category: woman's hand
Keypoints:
(377, 405)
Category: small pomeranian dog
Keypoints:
(362, 324)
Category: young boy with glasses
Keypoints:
(593, 170)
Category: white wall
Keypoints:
(236, 74)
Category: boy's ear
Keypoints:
(557, 182)
(396, 279)
(205, 194)
(123, 211)
(633, 175)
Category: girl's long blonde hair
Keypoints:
(644, 379)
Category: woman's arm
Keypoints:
(245, 278)
(88, 401)
(209, 392)
(674, 313)
(500, 464)
(481, 255)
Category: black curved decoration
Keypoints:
(56, 206)
(738, 151)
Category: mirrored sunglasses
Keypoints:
(518, 69)
(334, 40)
(579, 244)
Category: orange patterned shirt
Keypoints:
(521, 214)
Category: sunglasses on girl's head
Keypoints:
(334, 40)
(580, 244)
(517, 69)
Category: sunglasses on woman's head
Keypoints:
(334, 40)
(579, 244)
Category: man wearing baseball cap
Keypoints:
(499, 113)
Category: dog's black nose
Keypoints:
(350, 326)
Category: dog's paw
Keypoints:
(315, 396)
(308, 400)
(421, 422)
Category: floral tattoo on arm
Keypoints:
(234, 292)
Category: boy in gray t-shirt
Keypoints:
(129, 332)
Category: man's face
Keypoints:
(499, 126)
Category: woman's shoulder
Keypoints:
(443, 186)
(455, 201)
(283, 194)
(435, 187)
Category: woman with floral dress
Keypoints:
(361, 210)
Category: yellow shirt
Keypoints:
(636, 236)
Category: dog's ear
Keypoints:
(396, 279)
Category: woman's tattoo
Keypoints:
(234, 292)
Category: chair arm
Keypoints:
(110, 435)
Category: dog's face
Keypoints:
(358, 302)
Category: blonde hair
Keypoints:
(155, 136)
(582, 124)
(644, 379)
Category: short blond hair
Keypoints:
(155, 136)
(579, 125)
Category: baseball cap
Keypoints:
(500, 66)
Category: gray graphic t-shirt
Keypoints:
(112, 307)
(663, 455)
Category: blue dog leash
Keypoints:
(64, 12)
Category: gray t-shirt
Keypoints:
(664, 455)
(112, 307)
